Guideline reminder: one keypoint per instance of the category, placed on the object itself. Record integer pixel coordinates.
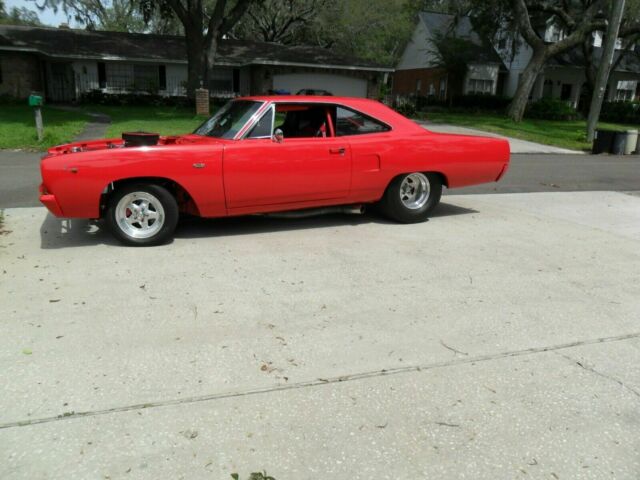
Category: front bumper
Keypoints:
(49, 201)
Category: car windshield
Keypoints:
(229, 120)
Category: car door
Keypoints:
(259, 171)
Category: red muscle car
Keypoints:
(264, 155)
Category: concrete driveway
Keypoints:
(499, 340)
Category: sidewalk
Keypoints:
(94, 129)
(517, 146)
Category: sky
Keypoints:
(47, 17)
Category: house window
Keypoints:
(597, 38)
(146, 78)
(443, 88)
(162, 77)
(432, 89)
(102, 75)
(553, 34)
(625, 91)
(221, 80)
(547, 89)
(480, 86)
(418, 85)
(565, 92)
(119, 76)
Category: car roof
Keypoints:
(367, 106)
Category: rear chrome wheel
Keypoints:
(415, 190)
(409, 198)
(142, 214)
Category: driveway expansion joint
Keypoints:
(327, 381)
(600, 374)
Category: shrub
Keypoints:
(6, 99)
(97, 97)
(408, 109)
(620, 112)
(551, 109)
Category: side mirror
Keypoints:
(278, 136)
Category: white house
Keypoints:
(564, 76)
(499, 71)
(65, 63)
(417, 71)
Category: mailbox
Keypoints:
(35, 101)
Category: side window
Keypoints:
(264, 127)
(300, 120)
(349, 122)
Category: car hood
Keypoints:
(109, 143)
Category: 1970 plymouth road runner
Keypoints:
(262, 155)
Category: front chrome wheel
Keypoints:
(139, 215)
(414, 191)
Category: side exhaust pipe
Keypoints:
(314, 212)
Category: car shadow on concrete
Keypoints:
(64, 233)
(196, 227)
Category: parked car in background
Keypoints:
(266, 154)
(311, 91)
(279, 91)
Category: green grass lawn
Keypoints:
(565, 134)
(162, 120)
(18, 128)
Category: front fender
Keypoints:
(77, 180)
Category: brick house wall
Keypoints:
(420, 81)
(20, 74)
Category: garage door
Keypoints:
(336, 84)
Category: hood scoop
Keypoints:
(140, 139)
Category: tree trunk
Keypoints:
(525, 85)
(210, 58)
(195, 59)
(608, 51)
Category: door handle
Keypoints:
(337, 151)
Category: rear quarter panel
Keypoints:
(463, 160)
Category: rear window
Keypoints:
(349, 122)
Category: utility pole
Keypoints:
(602, 77)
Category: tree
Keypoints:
(113, 15)
(452, 55)
(279, 21)
(18, 16)
(617, 9)
(577, 19)
(205, 22)
(629, 34)
(375, 30)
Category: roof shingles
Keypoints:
(72, 43)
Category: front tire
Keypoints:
(410, 198)
(142, 214)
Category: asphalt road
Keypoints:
(20, 176)
(498, 340)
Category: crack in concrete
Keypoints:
(600, 374)
(322, 381)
